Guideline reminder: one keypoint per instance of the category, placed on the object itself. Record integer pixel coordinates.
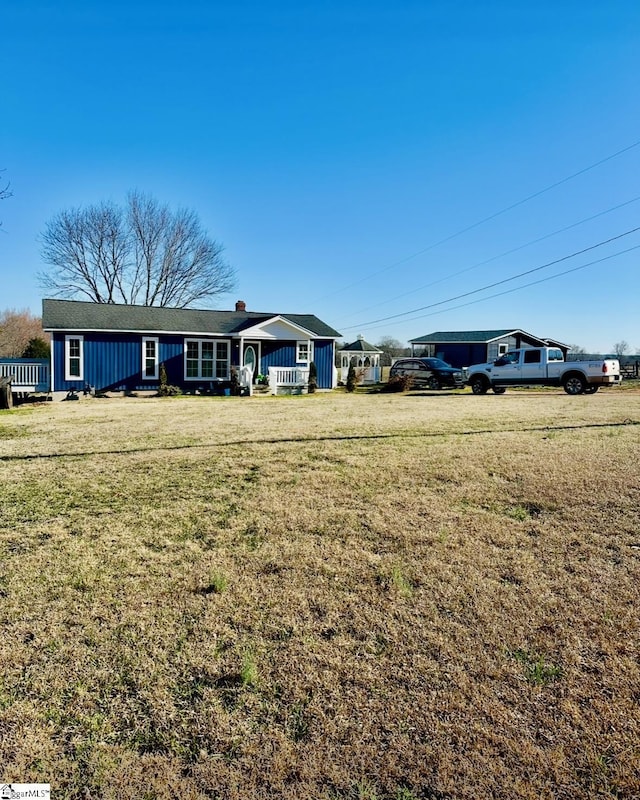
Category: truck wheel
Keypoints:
(433, 383)
(574, 383)
(479, 385)
(591, 388)
(499, 389)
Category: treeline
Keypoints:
(21, 335)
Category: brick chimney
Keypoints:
(241, 305)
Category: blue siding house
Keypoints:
(121, 347)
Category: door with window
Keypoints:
(507, 368)
(251, 357)
(533, 368)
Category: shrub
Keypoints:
(313, 377)
(37, 348)
(235, 383)
(398, 383)
(165, 389)
(351, 379)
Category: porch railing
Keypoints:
(288, 378)
(245, 379)
(26, 375)
(365, 374)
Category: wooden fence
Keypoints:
(630, 370)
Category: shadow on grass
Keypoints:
(312, 439)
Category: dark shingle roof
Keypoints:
(77, 315)
(451, 337)
(361, 346)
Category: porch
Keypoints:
(288, 380)
(26, 374)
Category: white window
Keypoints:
(149, 358)
(206, 359)
(304, 352)
(502, 348)
(73, 360)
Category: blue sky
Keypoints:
(339, 149)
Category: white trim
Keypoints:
(213, 377)
(475, 341)
(257, 348)
(308, 343)
(52, 364)
(144, 331)
(254, 331)
(155, 375)
(67, 346)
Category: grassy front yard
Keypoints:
(329, 596)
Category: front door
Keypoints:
(251, 357)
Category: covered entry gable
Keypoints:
(276, 328)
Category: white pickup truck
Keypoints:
(543, 366)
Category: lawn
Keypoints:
(369, 596)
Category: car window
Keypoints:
(532, 356)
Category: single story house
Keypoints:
(463, 348)
(121, 347)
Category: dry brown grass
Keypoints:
(330, 596)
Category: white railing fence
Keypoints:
(245, 379)
(26, 376)
(288, 378)
(365, 374)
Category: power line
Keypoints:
(496, 283)
(526, 285)
(486, 219)
(502, 255)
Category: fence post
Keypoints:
(6, 397)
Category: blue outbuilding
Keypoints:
(463, 348)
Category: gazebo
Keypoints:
(364, 357)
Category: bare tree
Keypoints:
(5, 191)
(87, 250)
(146, 254)
(17, 329)
(391, 348)
(175, 263)
(576, 351)
(621, 348)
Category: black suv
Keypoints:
(432, 373)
